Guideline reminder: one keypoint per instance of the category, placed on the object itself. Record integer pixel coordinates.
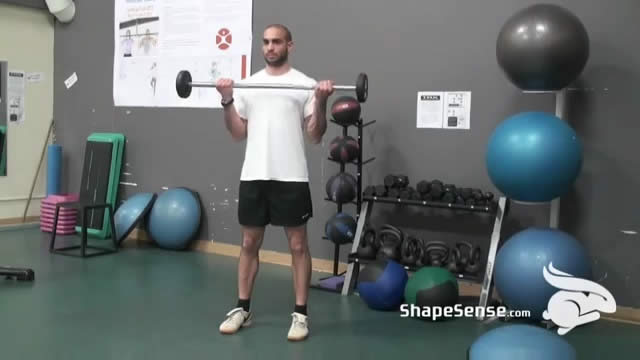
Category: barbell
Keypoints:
(184, 84)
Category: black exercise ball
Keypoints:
(344, 149)
(543, 47)
(341, 188)
(346, 110)
(340, 228)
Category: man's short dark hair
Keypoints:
(283, 28)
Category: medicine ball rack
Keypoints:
(360, 125)
(499, 211)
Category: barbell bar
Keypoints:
(184, 84)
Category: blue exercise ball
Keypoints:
(518, 272)
(522, 342)
(175, 218)
(130, 212)
(381, 285)
(534, 157)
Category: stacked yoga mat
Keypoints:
(67, 217)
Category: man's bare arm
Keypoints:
(236, 125)
(316, 124)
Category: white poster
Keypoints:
(15, 96)
(156, 39)
(430, 109)
(444, 110)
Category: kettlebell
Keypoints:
(419, 253)
(390, 239)
(408, 251)
(368, 246)
(469, 258)
(454, 261)
(436, 253)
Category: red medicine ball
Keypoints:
(344, 149)
(346, 110)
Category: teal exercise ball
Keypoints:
(518, 272)
(522, 342)
(131, 212)
(174, 219)
(534, 157)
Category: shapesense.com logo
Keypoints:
(457, 311)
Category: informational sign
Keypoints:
(444, 110)
(16, 96)
(156, 39)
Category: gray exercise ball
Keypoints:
(542, 47)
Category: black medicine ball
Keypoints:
(344, 149)
(341, 228)
(346, 110)
(341, 188)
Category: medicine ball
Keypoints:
(340, 228)
(432, 287)
(346, 110)
(534, 157)
(542, 47)
(341, 188)
(381, 285)
(523, 342)
(344, 149)
(520, 263)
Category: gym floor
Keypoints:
(147, 303)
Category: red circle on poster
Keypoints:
(223, 39)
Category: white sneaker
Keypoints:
(236, 319)
(299, 327)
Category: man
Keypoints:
(127, 44)
(274, 183)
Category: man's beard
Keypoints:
(279, 61)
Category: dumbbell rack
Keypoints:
(499, 210)
(360, 125)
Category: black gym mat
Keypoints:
(95, 180)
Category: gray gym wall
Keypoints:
(405, 46)
(38, 4)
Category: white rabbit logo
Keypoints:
(571, 307)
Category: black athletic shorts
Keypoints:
(278, 203)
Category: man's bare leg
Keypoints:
(301, 261)
(249, 262)
(248, 266)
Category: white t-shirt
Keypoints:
(275, 127)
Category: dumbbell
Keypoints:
(369, 191)
(396, 181)
(393, 193)
(423, 187)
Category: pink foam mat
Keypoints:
(54, 199)
(64, 211)
(49, 217)
(59, 231)
(60, 222)
(53, 207)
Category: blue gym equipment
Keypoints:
(534, 157)
(381, 285)
(518, 272)
(174, 219)
(522, 342)
(131, 212)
